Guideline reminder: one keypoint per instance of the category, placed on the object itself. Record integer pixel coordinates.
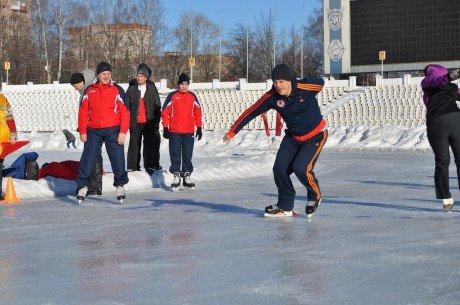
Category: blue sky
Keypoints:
(288, 12)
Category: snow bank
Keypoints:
(249, 154)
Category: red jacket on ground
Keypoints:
(102, 106)
(181, 112)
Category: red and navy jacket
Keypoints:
(300, 111)
(181, 112)
(103, 106)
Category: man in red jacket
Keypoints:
(181, 113)
(103, 118)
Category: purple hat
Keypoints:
(436, 71)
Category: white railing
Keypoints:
(394, 101)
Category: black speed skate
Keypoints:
(188, 183)
(176, 182)
(312, 206)
(120, 193)
(448, 204)
(81, 194)
(274, 211)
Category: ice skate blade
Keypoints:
(279, 215)
(448, 207)
(189, 188)
(174, 189)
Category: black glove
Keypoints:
(166, 133)
(198, 134)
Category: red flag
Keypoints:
(279, 124)
(8, 147)
(267, 129)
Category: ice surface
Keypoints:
(379, 237)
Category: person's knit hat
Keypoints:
(144, 70)
(183, 78)
(77, 78)
(102, 67)
(434, 70)
(281, 71)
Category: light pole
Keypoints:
(247, 53)
(191, 45)
(1, 39)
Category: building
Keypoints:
(109, 42)
(15, 23)
(412, 34)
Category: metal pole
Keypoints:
(382, 68)
(1, 41)
(191, 45)
(220, 41)
(247, 53)
(301, 51)
(301, 43)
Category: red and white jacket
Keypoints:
(103, 106)
(181, 112)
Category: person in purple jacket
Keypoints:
(440, 96)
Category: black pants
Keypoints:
(443, 132)
(95, 184)
(151, 149)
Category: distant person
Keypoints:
(7, 130)
(305, 136)
(70, 138)
(145, 114)
(181, 114)
(80, 81)
(103, 118)
(443, 126)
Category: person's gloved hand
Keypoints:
(199, 133)
(166, 133)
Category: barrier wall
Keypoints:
(54, 107)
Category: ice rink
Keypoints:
(379, 237)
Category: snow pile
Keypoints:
(250, 154)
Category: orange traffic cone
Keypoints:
(10, 195)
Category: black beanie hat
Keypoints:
(144, 70)
(183, 78)
(102, 67)
(76, 78)
(281, 71)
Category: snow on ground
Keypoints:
(249, 154)
(379, 237)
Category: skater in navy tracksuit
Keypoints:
(305, 136)
(443, 126)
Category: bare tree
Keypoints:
(265, 39)
(63, 15)
(239, 46)
(201, 37)
(314, 42)
(41, 7)
(289, 53)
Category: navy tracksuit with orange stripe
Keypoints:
(305, 136)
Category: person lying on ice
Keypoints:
(305, 136)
